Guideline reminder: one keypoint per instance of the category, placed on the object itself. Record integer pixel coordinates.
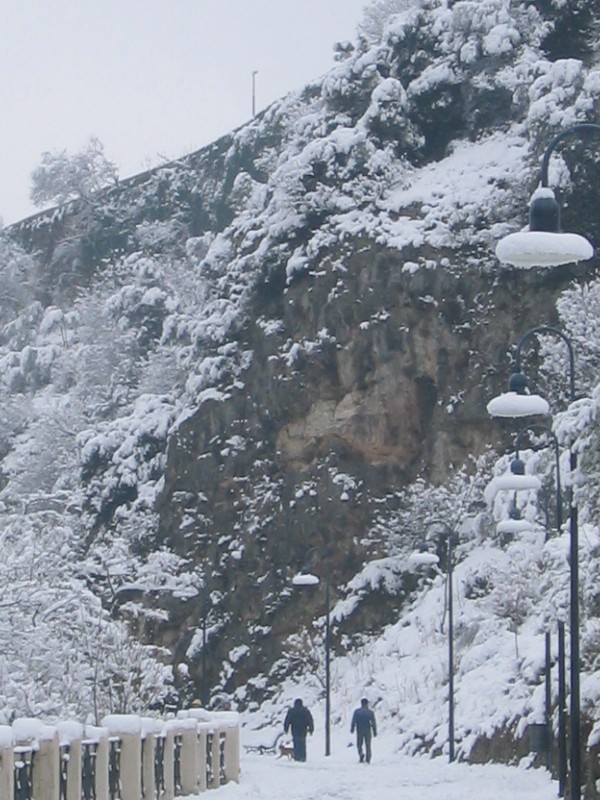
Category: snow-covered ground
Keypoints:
(390, 776)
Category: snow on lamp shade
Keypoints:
(422, 559)
(513, 526)
(305, 579)
(528, 249)
(513, 404)
(510, 482)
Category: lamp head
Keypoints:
(544, 212)
(518, 383)
(517, 466)
(305, 579)
(514, 512)
(515, 405)
(543, 244)
(512, 526)
(515, 523)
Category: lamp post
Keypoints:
(422, 558)
(562, 731)
(204, 689)
(254, 74)
(518, 386)
(306, 578)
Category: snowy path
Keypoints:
(390, 776)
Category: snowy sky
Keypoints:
(150, 79)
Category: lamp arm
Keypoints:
(587, 127)
(556, 332)
(534, 428)
(308, 559)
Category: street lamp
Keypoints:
(424, 558)
(519, 379)
(513, 480)
(304, 579)
(544, 244)
(535, 428)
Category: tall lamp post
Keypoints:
(562, 729)
(509, 405)
(424, 558)
(545, 245)
(306, 578)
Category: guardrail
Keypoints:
(126, 758)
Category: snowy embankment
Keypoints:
(504, 602)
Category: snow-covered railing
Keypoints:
(127, 758)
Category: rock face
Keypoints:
(388, 385)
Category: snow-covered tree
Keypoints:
(17, 275)
(377, 13)
(61, 176)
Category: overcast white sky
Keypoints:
(149, 78)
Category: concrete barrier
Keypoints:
(143, 757)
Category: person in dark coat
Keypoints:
(300, 720)
(363, 721)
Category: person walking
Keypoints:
(300, 720)
(363, 721)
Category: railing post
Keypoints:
(7, 762)
(219, 724)
(232, 752)
(45, 780)
(150, 727)
(129, 730)
(188, 730)
(201, 744)
(215, 756)
(100, 737)
(169, 764)
(70, 735)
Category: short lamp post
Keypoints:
(204, 694)
(519, 403)
(425, 558)
(304, 579)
